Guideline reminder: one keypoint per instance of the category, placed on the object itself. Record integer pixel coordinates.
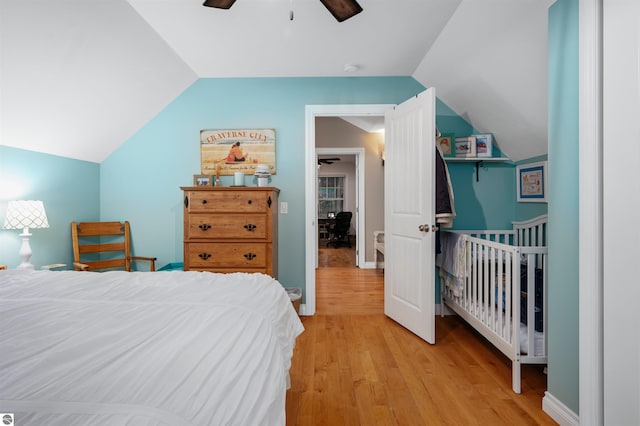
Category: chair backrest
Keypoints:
(101, 245)
(342, 223)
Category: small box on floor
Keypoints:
(295, 294)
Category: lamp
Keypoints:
(24, 215)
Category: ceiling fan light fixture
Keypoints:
(342, 9)
(219, 4)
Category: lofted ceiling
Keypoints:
(84, 76)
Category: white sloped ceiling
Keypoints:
(491, 69)
(78, 78)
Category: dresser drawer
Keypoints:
(228, 255)
(233, 270)
(220, 226)
(228, 201)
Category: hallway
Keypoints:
(331, 257)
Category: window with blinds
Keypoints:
(330, 195)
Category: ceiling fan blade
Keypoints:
(219, 4)
(342, 9)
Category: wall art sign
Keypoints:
(224, 152)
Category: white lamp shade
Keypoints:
(25, 214)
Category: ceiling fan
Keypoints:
(332, 160)
(340, 9)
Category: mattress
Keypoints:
(140, 348)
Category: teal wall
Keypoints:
(141, 180)
(563, 380)
(485, 201)
(69, 190)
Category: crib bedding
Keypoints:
(164, 348)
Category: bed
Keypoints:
(496, 281)
(140, 348)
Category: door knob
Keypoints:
(423, 228)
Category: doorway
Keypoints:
(311, 223)
(340, 210)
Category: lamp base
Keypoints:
(25, 251)
(26, 265)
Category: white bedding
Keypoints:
(164, 348)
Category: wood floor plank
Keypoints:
(355, 366)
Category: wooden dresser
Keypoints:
(231, 229)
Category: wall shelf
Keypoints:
(478, 161)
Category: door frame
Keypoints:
(359, 197)
(310, 173)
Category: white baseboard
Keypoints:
(303, 310)
(558, 411)
(441, 309)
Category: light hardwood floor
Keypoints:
(355, 366)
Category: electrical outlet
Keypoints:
(284, 207)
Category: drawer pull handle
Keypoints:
(186, 202)
(249, 202)
(250, 227)
(204, 226)
(204, 256)
(249, 256)
(269, 202)
(204, 201)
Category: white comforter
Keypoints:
(164, 348)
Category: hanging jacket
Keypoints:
(445, 209)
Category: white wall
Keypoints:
(621, 204)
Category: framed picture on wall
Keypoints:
(446, 143)
(484, 145)
(531, 182)
(466, 147)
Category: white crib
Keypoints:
(487, 277)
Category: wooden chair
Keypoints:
(104, 245)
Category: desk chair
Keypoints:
(339, 230)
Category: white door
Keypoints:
(409, 293)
